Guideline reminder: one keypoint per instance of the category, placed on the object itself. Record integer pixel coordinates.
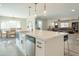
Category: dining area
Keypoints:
(8, 33)
(7, 38)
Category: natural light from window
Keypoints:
(10, 24)
(64, 24)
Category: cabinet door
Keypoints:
(22, 43)
(40, 47)
(17, 42)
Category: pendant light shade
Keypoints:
(29, 9)
(35, 9)
(45, 9)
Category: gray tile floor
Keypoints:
(73, 45)
(8, 47)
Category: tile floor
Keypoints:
(73, 45)
(8, 47)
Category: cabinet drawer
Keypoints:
(40, 48)
(39, 41)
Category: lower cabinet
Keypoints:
(40, 47)
(51, 47)
(20, 43)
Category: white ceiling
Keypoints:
(53, 9)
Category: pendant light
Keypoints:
(29, 9)
(35, 9)
(45, 9)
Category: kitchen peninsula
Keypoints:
(41, 43)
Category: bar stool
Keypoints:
(66, 40)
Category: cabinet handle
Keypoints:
(21, 41)
(39, 42)
(39, 46)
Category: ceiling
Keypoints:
(54, 10)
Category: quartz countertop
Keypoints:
(45, 35)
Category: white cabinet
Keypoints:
(52, 47)
(17, 39)
(17, 42)
(40, 47)
(20, 43)
(46, 44)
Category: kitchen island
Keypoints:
(41, 43)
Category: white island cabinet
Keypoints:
(40, 48)
(47, 43)
(52, 47)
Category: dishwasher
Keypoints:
(30, 45)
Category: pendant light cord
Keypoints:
(29, 10)
(44, 6)
(35, 7)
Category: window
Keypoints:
(64, 25)
(3, 25)
(10, 24)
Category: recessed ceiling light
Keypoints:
(73, 10)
